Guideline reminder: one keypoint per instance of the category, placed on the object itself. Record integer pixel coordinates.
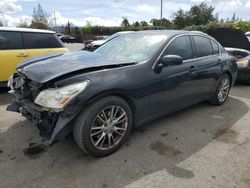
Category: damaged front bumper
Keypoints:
(45, 121)
(53, 126)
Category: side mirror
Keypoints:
(171, 60)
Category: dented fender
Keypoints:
(63, 126)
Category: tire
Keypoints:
(87, 132)
(220, 98)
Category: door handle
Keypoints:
(192, 69)
(22, 55)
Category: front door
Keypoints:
(173, 88)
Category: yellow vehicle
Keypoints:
(20, 44)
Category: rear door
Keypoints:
(11, 53)
(38, 44)
(207, 53)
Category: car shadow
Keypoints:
(159, 145)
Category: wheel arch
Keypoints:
(227, 72)
(120, 94)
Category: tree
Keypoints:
(67, 29)
(125, 22)
(154, 21)
(201, 14)
(181, 19)
(166, 22)
(144, 23)
(87, 29)
(234, 19)
(136, 24)
(158, 22)
(23, 25)
(77, 34)
(1, 23)
(40, 18)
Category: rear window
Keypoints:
(203, 46)
(41, 40)
(10, 40)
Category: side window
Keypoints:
(40, 40)
(215, 46)
(203, 46)
(180, 46)
(10, 40)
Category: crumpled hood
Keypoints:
(36, 59)
(47, 68)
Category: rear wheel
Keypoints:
(222, 91)
(103, 127)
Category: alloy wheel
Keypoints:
(109, 127)
(223, 89)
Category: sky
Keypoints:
(111, 12)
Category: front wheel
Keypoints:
(222, 91)
(104, 126)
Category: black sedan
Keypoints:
(67, 38)
(237, 45)
(135, 78)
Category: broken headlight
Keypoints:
(10, 82)
(58, 98)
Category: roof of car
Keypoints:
(25, 30)
(170, 32)
(124, 32)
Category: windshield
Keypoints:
(132, 47)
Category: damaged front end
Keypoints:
(53, 124)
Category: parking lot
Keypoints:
(74, 46)
(202, 146)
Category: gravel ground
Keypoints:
(203, 146)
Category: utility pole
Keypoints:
(68, 28)
(161, 11)
(55, 20)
